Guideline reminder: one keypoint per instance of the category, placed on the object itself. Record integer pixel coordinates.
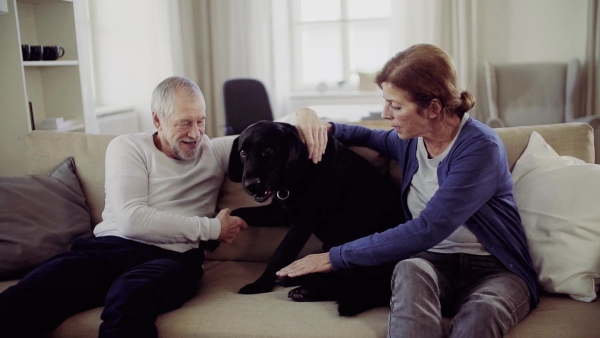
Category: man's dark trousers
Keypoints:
(135, 282)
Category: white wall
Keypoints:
(532, 30)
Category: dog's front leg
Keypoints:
(286, 252)
(270, 215)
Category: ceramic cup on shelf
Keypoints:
(26, 51)
(53, 52)
(36, 52)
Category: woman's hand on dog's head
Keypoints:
(313, 132)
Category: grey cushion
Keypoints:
(40, 216)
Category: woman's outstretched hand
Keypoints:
(313, 132)
(309, 264)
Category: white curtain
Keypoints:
(592, 61)
(223, 40)
(136, 44)
(250, 38)
(448, 24)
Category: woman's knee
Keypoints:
(483, 319)
(494, 307)
(412, 270)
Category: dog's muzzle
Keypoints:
(257, 190)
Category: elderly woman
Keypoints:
(463, 252)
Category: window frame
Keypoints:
(350, 78)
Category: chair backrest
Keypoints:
(246, 102)
(527, 94)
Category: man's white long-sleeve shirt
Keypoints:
(155, 199)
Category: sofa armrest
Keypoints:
(594, 121)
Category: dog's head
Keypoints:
(266, 157)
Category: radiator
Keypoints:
(117, 120)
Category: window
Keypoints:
(335, 40)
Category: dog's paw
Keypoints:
(301, 294)
(311, 294)
(254, 288)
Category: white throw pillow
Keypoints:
(559, 202)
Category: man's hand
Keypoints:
(313, 132)
(309, 264)
(230, 226)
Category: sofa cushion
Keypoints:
(218, 311)
(40, 216)
(558, 199)
(45, 148)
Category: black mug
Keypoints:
(26, 51)
(53, 52)
(36, 52)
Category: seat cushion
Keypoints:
(218, 311)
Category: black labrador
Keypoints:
(340, 199)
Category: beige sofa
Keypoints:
(218, 311)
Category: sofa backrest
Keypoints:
(46, 149)
(572, 139)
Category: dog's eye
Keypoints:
(267, 152)
(242, 153)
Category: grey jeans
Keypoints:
(482, 296)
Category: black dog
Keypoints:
(340, 199)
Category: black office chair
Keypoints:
(246, 102)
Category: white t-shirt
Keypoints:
(154, 199)
(422, 188)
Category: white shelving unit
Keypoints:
(32, 91)
(50, 63)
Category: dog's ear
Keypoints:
(298, 154)
(297, 147)
(236, 167)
